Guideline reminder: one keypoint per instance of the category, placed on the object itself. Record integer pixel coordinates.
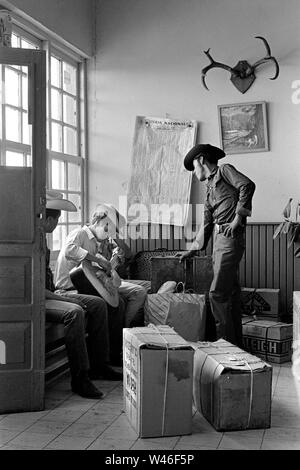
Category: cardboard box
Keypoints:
(296, 341)
(158, 381)
(263, 303)
(268, 339)
(190, 315)
(296, 320)
(232, 388)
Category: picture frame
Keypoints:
(243, 127)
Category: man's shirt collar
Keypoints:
(89, 232)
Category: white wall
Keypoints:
(73, 20)
(148, 62)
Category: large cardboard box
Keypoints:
(186, 313)
(158, 381)
(296, 320)
(268, 339)
(296, 341)
(263, 303)
(232, 388)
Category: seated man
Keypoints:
(94, 242)
(88, 359)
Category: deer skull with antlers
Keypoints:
(242, 75)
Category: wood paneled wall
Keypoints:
(266, 262)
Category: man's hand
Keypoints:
(104, 263)
(231, 228)
(185, 255)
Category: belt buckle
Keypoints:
(218, 228)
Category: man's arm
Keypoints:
(244, 185)
(246, 189)
(75, 252)
(204, 234)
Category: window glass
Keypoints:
(75, 216)
(12, 88)
(70, 141)
(55, 72)
(70, 110)
(69, 78)
(14, 159)
(58, 175)
(74, 177)
(56, 105)
(56, 136)
(13, 124)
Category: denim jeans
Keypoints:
(224, 294)
(83, 353)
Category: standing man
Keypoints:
(227, 206)
(88, 358)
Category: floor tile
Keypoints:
(21, 421)
(146, 444)
(279, 445)
(202, 439)
(6, 436)
(70, 443)
(241, 442)
(200, 424)
(63, 415)
(192, 447)
(36, 440)
(282, 433)
(49, 427)
(85, 429)
(111, 444)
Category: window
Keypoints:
(66, 165)
(65, 132)
(15, 127)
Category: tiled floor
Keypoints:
(72, 422)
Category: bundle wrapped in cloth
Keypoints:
(185, 312)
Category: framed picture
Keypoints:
(243, 127)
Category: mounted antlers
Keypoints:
(242, 75)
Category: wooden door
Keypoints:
(22, 245)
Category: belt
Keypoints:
(220, 228)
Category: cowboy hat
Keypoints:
(202, 150)
(112, 213)
(54, 200)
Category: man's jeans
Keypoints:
(225, 289)
(83, 353)
(135, 297)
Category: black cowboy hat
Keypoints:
(202, 150)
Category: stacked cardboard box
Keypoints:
(268, 339)
(296, 341)
(296, 320)
(263, 303)
(232, 388)
(158, 376)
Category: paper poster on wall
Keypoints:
(159, 187)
